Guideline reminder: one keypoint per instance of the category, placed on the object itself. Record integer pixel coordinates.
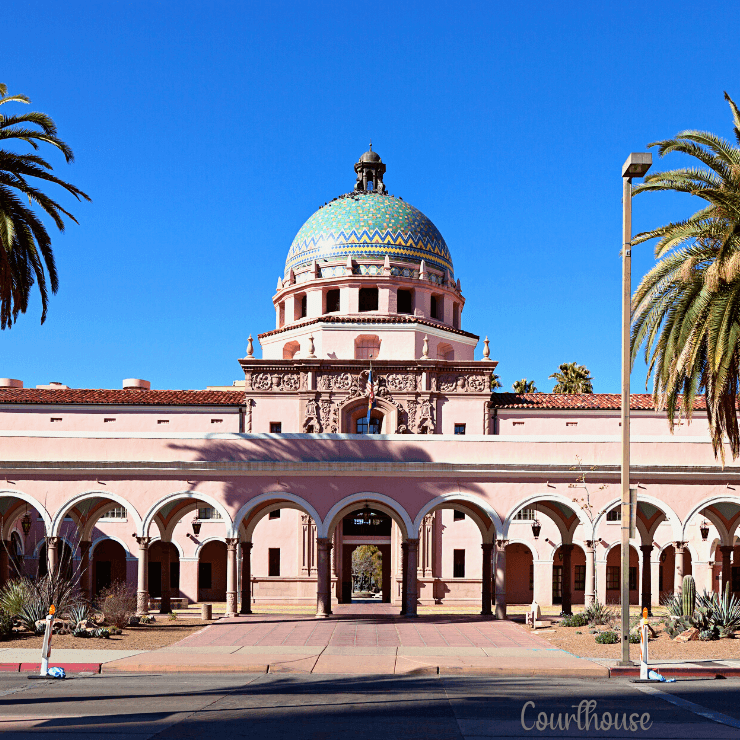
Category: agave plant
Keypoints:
(673, 603)
(597, 613)
(725, 612)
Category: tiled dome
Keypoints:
(369, 224)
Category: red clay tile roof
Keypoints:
(121, 397)
(370, 318)
(594, 401)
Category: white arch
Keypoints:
(97, 541)
(246, 509)
(544, 497)
(446, 501)
(633, 543)
(183, 495)
(670, 515)
(37, 505)
(702, 505)
(528, 545)
(202, 544)
(177, 545)
(41, 543)
(56, 522)
(382, 502)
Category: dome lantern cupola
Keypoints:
(370, 170)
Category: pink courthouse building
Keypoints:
(260, 491)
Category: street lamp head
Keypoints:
(637, 164)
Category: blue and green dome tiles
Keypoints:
(369, 225)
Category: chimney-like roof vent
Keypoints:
(10, 383)
(136, 384)
(54, 385)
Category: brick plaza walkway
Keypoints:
(365, 626)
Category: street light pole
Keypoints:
(637, 165)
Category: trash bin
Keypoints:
(206, 611)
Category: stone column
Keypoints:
(487, 572)
(726, 551)
(231, 543)
(542, 591)
(52, 554)
(678, 549)
(142, 588)
(323, 572)
(411, 575)
(567, 565)
(647, 597)
(246, 578)
(590, 595)
(501, 578)
(404, 577)
(165, 607)
(85, 570)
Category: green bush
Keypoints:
(635, 638)
(609, 637)
(6, 625)
(574, 620)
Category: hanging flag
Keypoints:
(370, 396)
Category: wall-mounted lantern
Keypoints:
(197, 524)
(26, 523)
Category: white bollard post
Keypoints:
(46, 647)
(644, 646)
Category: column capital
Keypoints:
(487, 546)
(679, 546)
(326, 542)
(502, 543)
(52, 541)
(246, 545)
(726, 549)
(590, 544)
(567, 547)
(231, 543)
(143, 542)
(412, 541)
(85, 544)
(646, 549)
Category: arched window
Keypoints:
(367, 347)
(375, 426)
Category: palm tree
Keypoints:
(686, 310)
(495, 382)
(524, 386)
(25, 246)
(573, 378)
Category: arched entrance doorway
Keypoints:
(212, 571)
(163, 574)
(108, 565)
(519, 574)
(364, 527)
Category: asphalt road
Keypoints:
(292, 707)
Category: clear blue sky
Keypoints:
(207, 133)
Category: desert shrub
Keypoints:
(609, 637)
(14, 594)
(635, 638)
(597, 613)
(574, 620)
(707, 635)
(118, 604)
(34, 609)
(102, 632)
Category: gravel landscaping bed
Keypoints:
(161, 633)
(661, 647)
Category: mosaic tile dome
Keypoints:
(369, 224)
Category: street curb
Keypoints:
(686, 671)
(36, 667)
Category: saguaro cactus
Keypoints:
(688, 596)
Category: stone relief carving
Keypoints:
(276, 381)
(329, 417)
(312, 423)
(401, 381)
(426, 417)
(335, 382)
(450, 383)
(477, 383)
